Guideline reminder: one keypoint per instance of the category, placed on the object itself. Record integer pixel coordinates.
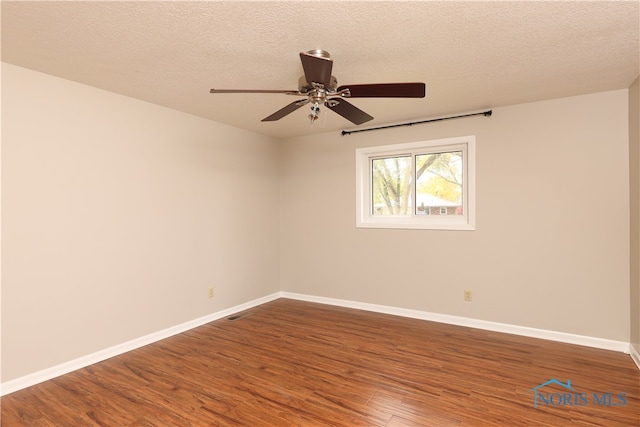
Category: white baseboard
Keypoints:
(90, 359)
(99, 356)
(602, 343)
(634, 355)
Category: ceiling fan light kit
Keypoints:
(319, 88)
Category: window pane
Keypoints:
(392, 186)
(439, 183)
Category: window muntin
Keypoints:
(427, 184)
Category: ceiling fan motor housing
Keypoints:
(305, 87)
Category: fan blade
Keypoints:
(284, 111)
(287, 92)
(386, 90)
(349, 112)
(317, 69)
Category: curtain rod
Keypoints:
(484, 113)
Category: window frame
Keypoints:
(364, 196)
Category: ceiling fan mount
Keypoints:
(319, 87)
(319, 53)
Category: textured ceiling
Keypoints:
(471, 55)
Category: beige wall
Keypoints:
(551, 249)
(634, 181)
(118, 215)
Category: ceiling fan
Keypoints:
(319, 87)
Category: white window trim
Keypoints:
(364, 217)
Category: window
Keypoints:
(421, 185)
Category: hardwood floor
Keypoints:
(292, 363)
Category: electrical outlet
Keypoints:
(468, 296)
(210, 292)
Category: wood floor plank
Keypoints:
(293, 363)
